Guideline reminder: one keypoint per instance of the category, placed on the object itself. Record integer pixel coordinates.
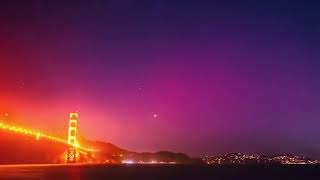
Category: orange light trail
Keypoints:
(38, 135)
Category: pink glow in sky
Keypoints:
(202, 79)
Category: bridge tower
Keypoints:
(72, 137)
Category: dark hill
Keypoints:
(116, 154)
(22, 149)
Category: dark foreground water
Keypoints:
(150, 172)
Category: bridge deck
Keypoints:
(38, 135)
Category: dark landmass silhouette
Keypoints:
(21, 149)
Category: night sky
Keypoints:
(199, 77)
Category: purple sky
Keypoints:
(221, 77)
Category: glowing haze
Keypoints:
(199, 78)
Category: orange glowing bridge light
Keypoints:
(72, 136)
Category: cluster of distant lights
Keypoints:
(293, 160)
(240, 158)
(37, 134)
(148, 162)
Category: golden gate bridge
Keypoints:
(74, 148)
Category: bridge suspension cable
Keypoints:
(39, 135)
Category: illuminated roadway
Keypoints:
(38, 135)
